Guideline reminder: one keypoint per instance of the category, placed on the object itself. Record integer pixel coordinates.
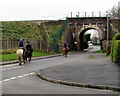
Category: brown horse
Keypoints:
(21, 56)
(29, 55)
(65, 51)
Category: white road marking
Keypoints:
(103, 90)
(13, 78)
(9, 65)
(12, 68)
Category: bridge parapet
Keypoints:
(87, 14)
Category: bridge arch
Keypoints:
(81, 35)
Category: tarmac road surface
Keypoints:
(23, 80)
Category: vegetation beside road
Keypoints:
(13, 56)
(30, 30)
(115, 51)
(99, 51)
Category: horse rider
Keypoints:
(65, 45)
(65, 48)
(29, 47)
(21, 46)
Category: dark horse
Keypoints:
(65, 51)
(22, 55)
(29, 55)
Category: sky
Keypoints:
(15, 10)
(93, 32)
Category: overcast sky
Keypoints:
(50, 9)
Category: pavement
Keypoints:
(96, 71)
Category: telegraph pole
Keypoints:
(71, 14)
(99, 13)
(78, 14)
(85, 14)
(107, 43)
(92, 14)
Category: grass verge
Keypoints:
(13, 56)
(99, 51)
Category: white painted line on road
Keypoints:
(13, 78)
(9, 65)
(6, 80)
(11, 68)
(103, 90)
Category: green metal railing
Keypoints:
(58, 36)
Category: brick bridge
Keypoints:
(77, 26)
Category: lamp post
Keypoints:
(85, 14)
(107, 28)
(71, 14)
(99, 13)
(107, 43)
(92, 14)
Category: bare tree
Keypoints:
(119, 9)
(115, 11)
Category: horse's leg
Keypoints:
(66, 53)
(20, 61)
(30, 55)
(29, 59)
(24, 60)
(63, 52)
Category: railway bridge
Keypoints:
(77, 26)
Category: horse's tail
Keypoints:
(19, 53)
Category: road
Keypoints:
(23, 80)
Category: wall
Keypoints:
(104, 44)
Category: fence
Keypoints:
(37, 45)
(58, 36)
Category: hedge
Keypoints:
(115, 51)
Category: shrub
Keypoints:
(116, 52)
(116, 37)
(8, 51)
(87, 37)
